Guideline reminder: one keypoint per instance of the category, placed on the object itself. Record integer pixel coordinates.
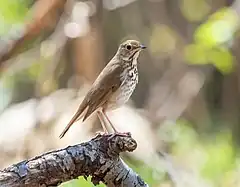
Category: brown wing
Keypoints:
(104, 86)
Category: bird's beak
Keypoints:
(143, 46)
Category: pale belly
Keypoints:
(122, 95)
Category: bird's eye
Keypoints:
(129, 47)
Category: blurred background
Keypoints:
(184, 112)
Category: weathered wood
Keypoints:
(98, 158)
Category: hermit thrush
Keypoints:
(113, 87)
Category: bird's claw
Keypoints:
(123, 134)
(100, 133)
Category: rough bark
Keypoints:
(98, 158)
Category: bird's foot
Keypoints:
(100, 133)
(123, 134)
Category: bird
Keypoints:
(113, 86)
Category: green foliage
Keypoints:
(220, 158)
(194, 10)
(220, 57)
(163, 40)
(35, 69)
(12, 12)
(196, 54)
(210, 38)
(219, 28)
(185, 139)
(213, 156)
(80, 182)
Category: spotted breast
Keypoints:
(129, 79)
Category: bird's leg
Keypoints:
(102, 122)
(110, 123)
(114, 129)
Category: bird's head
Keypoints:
(130, 50)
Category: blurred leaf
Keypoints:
(35, 69)
(231, 178)
(80, 182)
(163, 39)
(222, 59)
(187, 137)
(12, 12)
(220, 156)
(196, 54)
(214, 156)
(195, 10)
(219, 28)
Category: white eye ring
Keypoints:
(129, 47)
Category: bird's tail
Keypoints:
(76, 117)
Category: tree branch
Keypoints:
(98, 158)
(43, 12)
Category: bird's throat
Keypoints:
(134, 56)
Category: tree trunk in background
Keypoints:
(88, 50)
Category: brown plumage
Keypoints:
(113, 86)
